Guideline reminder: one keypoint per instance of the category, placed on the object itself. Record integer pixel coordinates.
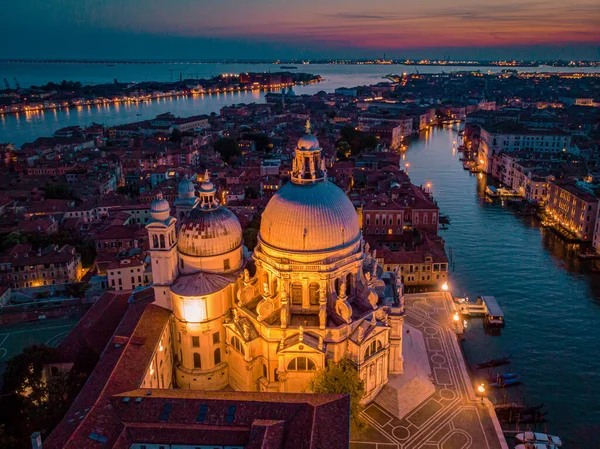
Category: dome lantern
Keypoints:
(207, 193)
(308, 167)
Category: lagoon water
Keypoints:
(22, 128)
(551, 301)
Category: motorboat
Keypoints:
(539, 438)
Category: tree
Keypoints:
(28, 403)
(261, 140)
(341, 378)
(228, 149)
(24, 371)
(57, 192)
(358, 140)
(252, 192)
(176, 136)
(250, 238)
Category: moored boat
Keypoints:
(535, 437)
(491, 191)
(504, 383)
(535, 446)
(494, 362)
(502, 376)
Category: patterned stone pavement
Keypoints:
(450, 418)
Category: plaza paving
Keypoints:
(432, 404)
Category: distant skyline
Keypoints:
(317, 29)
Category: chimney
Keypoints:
(36, 440)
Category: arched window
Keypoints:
(217, 355)
(197, 363)
(237, 344)
(162, 240)
(374, 346)
(313, 294)
(154, 241)
(265, 372)
(301, 364)
(349, 283)
(297, 294)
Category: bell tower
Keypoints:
(163, 249)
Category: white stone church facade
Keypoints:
(309, 294)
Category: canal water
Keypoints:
(550, 300)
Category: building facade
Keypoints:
(511, 137)
(572, 208)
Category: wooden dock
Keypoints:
(485, 306)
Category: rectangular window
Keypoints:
(196, 342)
(216, 338)
(226, 265)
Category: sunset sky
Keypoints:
(300, 28)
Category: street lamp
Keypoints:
(481, 391)
(445, 286)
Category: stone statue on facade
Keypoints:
(285, 311)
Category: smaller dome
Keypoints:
(291, 92)
(309, 142)
(209, 232)
(160, 208)
(186, 188)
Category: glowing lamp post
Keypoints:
(445, 286)
(407, 165)
(481, 391)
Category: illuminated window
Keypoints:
(374, 347)
(237, 344)
(301, 364)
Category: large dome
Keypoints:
(209, 232)
(311, 217)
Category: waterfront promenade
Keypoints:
(446, 414)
